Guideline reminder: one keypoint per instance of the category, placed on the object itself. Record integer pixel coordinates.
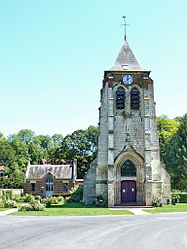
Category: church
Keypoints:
(127, 169)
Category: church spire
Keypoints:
(126, 60)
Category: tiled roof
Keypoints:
(126, 61)
(40, 171)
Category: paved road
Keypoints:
(164, 231)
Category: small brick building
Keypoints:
(47, 179)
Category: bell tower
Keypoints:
(127, 168)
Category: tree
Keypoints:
(57, 140)
(166, 129)
(25, 146)
(26, 136)
(80, 145)
(21, 150)
(7, 154)
(176, 152)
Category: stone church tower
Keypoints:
(127, 168)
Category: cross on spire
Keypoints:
(125, 24)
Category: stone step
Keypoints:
(131, 206)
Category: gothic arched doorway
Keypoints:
(128, 186)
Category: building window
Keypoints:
(33, 187)
(135, 99)
(120, 98)
(49, 184)
(128, 169)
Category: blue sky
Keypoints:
(54, 53)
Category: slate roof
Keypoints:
(126, 60)
(40, 171)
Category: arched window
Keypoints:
(120, 98)
(128, 169)
(135, 99)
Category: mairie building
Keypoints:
(127, 169)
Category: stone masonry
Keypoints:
(127, 135)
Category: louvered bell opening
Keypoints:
(120, 103)
(120, 93)
(120, 106)
(120, 99)
(135, 106)
(135, 92)
(135, 97)
(134, 101)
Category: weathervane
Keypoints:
(125, 24)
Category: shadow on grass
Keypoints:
(72, 205)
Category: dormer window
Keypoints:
(135, 99)
(125, 67)
(120, 98)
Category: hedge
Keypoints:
(183, 197)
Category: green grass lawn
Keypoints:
(3, 209)
(73, 209)
(179, 207)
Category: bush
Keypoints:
(156, 202)
(37, 198)
(37, 206)
(47, 202)
(77, 194)
(16, 198)
(1, 204)
(25, 207)
(9, 204)
(60, 199)
(65, 194)
(52, 200)
(175, 196)
(28, 198)
(6, 195)
(100, 202)
(33, 206)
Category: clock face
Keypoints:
(127, 79)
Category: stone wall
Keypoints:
(89, 187)
(127, 134)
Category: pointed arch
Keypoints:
(138, 162)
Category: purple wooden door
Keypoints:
(128, 191)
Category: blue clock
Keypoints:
(128, 79)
